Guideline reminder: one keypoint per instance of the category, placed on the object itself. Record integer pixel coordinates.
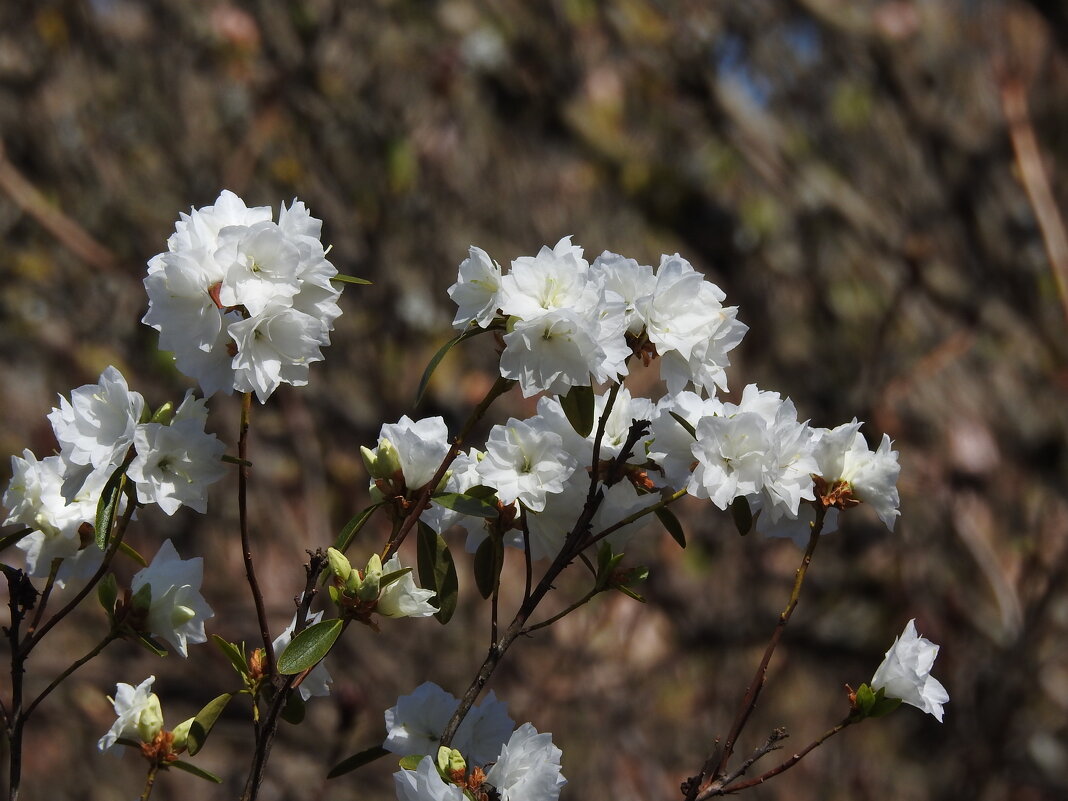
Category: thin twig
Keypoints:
(721, 786)
(246, 543)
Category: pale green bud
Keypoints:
(339, 563)
(370, 460)
(181, 734)
(181, 615)
(371, 578)
(150, 721)
(388, 463)
(450, 760)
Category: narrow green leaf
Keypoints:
(355, 761)
(11, 539)
(341, 278)
(126, 549)
(434, 362)
(233, 653)
(151, 645)
(352, 528)
(437, 571)
(466, 504)
(631, 593)
(883, 705)
(411, 762)
(308, 647)
(107, 592)
(194, 770)
(163, 414)
(293, 711)
(672, 524)
(482, 492)
(235, 460)
(578, 406)
(107, 505)
(489, 560)
(742, 515)
(389, 578)
(865, 699)
(204, 721)
(682, 421)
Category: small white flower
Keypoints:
(178, 610)
(139, 714)
(403, 598)
(554, 279)
(176, 463)
(552, 352)
(318, 681)
(261, 267)
(419, 447)
(275, 347)
(528, 767)
(476, 290)
(843, 455)
(96, 426)
(425, 784)
(906, 673)
(415, 724)
(525, 463)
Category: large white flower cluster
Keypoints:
(242, 301)
(571, 323)
(520, 764)
(171, 464)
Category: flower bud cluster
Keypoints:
(103, 427)
(242, 301)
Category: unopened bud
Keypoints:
(150, 721)
(339, 563)
(181, 735)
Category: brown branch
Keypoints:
(71, 235)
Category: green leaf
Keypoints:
(742, 515)
(466, 505)
(865, 699)
(672, 524)
(293, 711)
(411, 762)
(482, 492)
(233, 653)
(163, 414)
(11, 539)
(631, 593)
(682, 421)
(355, 761)
(341, 278)
(489, 560)
(204, 721)
(389, 578)
(107, 592)
(193, 769)
(883, 705)
(308, 647)
(352, 528)
(151, 645)
(107, 505)
(437, 571)
(578, 406)
(130, 552)
(434, 362)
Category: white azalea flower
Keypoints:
(403, 598)
(417, 446)
(843, 455)
(633, 283)
(552, 352)
(425, 784)
(139, 714)
(528, 767)
(415, 724)
(176, 463)
(906, 673)
(273, 348)
(318, 681)
(261, 267)
(178, 610)
(96, 426)
(554, 279)
(525, 463)
(476, 290)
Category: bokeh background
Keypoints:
(875, 183)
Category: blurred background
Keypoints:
(875, 184)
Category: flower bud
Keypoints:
(372, 576)
(150, 721)
(339, 563)
(451, 761)
(181, 735)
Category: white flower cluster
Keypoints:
(242, 301)
(571, 323)
(56, 497)
(525, 764)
